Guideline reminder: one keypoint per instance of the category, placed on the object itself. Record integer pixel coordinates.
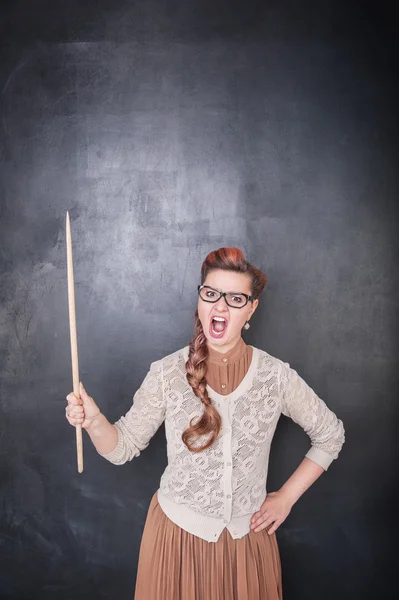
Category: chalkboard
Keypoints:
(169, 130)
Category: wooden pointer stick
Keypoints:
(74, 342)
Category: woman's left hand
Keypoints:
(275, 509)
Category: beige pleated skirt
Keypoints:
(177, 565)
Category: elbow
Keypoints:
(324, 451)
(115, 461)
(123, 452)
(339, 438)
(336, 441)
(119, 457)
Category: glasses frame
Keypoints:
(223, 295)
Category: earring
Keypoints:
(247, 325)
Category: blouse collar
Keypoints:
(227, 358)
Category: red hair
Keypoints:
(227, 259)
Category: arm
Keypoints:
(127, 437)
(327, 435)
(103, 434)
(301, 479)
(277, 505)
(303, 406)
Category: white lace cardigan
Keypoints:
(225, 484)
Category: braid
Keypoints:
(196, 367)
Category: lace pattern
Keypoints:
(249, 420)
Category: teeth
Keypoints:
(219, 319)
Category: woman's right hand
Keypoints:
(81, 411)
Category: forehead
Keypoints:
(229, 281)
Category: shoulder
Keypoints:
(285, 373)
(270, 362)
(175, 358)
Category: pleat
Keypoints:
(231, 375)
(176, 565)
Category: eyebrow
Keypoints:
(229, 292)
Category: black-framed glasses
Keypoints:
(233, 299)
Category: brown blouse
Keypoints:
(226, 371)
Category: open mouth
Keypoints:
(217, 327)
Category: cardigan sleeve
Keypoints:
(143, 419)
(304, 407)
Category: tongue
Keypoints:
(219, 326)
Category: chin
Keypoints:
(217, 342)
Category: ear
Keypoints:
(254, 307)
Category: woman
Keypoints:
(210, 528)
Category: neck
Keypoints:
(225, 347)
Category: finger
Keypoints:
(75, 423)
(259, 514)
(82, 391)
(76, 416)
(74, 411)
(75, 420)
(73, 399)
(275, 526)
(264, 524)
(257, 521)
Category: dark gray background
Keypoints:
(169, 129)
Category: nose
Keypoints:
(221, 304)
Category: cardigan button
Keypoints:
(224, 359)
